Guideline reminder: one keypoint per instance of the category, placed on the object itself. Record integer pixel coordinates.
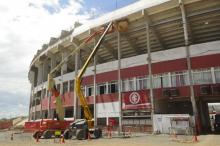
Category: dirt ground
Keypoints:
(25, 139)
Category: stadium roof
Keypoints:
(166, 29)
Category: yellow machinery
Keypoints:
(80, 127)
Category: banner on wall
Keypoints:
(135, 100)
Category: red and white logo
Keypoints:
(134, 98)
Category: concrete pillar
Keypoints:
(52, 64)
(170, 80)
(39, 73)
(34, 107)
(119, 84)
(94, 88)
(188, 59)
(75, 113)
(213, 75)
(45, 70)
(30, 103)
(150, 72)
(63, 69)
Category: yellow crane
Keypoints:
(80, 127)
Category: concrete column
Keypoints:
(119, 84)
(75, 100)
(150, 73)
(34, 107)
(135, 83)
(170, 80)
(94, 88)
(30, 103)
(107, 89)
(63, 70)
(188, 59)
(52, 64)
(39, 73)
(213, 75)
(69, 86)
(45, 70)
(41, 97)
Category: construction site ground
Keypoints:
(25, 139)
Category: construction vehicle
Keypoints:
(81, 128)
(84, 128)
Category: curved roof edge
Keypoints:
(111, 16)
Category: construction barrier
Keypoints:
(187, 137)
(31, 126)
(6, 124)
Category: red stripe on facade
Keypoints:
(157, 68)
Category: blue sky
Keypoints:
(25, 26)
(106, 5)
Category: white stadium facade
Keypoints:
(167, 61)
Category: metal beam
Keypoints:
(107, 46)
(189, 29)
(98, 57)
(188, 16)
(126, 37)
(110, 49)
(153, 30)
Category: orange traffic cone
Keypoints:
(195, 139)
(37, 139)
(62, 139)
(109, 132)
(129, 132)
(12, 136)
(89, 136)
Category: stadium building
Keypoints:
(166, 60)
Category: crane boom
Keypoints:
(87, 113)
(51, 82)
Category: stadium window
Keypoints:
(48, 93)
(65, 87)
(71, 85)
(157, 79)
(43, 93)
(58, 87)
(141, 83)
(124, 84)
(217, 74)
(113, 87)
(130, 85)
(101, 89)
(101, 121)
(202, 76)
(38, 94)
(90, 91)
(179, 79)
(69, 112)
(165, 80)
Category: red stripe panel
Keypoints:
(159, 67)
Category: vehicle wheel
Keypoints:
(47, 134)
(37, 134)
(67, 134)
(97, 133)
(81, 134)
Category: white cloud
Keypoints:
(25, 26)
